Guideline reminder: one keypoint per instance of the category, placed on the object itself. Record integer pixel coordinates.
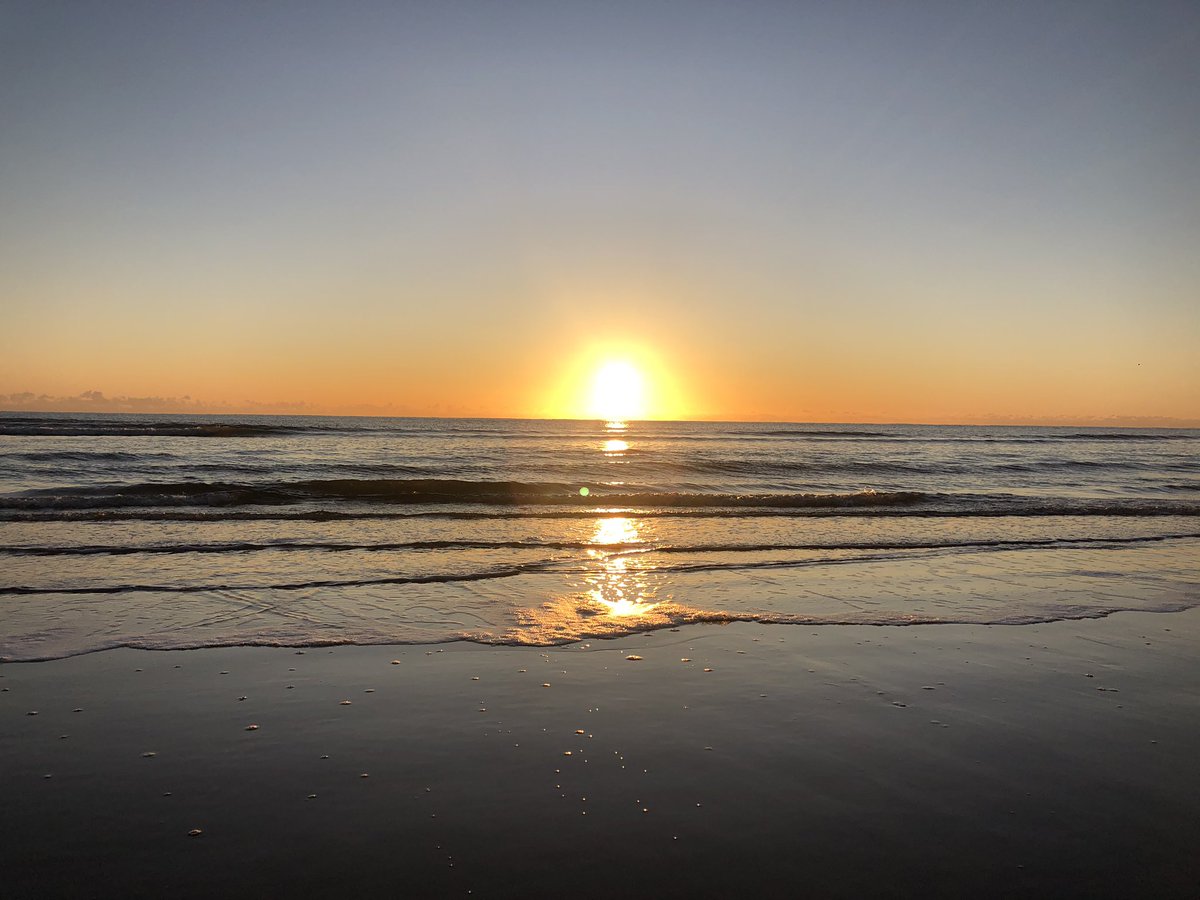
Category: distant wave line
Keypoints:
(40, 428)
(614, 548)
(1131, 508)
(204, 427)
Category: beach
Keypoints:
(1046, 759)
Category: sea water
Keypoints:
(193, 531)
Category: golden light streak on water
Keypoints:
(616, 588)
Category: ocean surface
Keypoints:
(168, 532)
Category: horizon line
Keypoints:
(1131, 422)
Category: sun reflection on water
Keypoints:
(615, 587)
(615, 530)
(618, 590)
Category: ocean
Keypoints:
(184, 531)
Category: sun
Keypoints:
(615, 381)
(618, 392)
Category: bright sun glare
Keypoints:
(618, 393)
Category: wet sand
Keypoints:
(849, 761)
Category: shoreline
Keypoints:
(832, 761)
(700, 619)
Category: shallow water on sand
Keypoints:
(168, 532)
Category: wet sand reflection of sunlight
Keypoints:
(616, 591)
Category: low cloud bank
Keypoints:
(98, 401)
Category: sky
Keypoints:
(857, 211)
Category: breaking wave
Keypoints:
(427, 491)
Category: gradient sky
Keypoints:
(828, 211)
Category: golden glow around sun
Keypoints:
(618, 392)
(616, 382)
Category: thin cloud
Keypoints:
(98, 401)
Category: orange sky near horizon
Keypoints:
(694, 370)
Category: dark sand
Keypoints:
(1045, 760)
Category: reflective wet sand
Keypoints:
(944, 760)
